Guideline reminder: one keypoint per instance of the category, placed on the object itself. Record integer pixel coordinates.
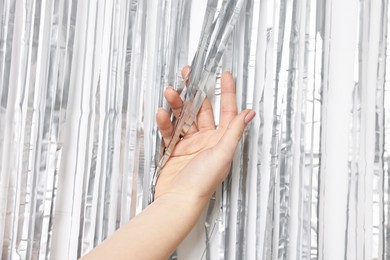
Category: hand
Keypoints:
(202, 159)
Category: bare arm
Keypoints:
(154, 233)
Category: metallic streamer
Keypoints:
(386, 140)
(271, 243)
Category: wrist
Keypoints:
(186, 200)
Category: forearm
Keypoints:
(161, 226)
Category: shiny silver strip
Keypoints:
(386, 140)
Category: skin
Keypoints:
(199, 163)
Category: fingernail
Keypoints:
(249, 117)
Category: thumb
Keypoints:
(229, 141)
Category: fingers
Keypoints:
(228, 100)
(205, 119)
(176, 104)
(174, 100)
(228, 143)
(185, 74)
(171, 95)
(206, 116)
(164, 124)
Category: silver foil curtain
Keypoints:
(80, 82)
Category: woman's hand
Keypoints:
(201, 160)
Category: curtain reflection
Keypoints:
(80, 82)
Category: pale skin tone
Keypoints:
(199, 163)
